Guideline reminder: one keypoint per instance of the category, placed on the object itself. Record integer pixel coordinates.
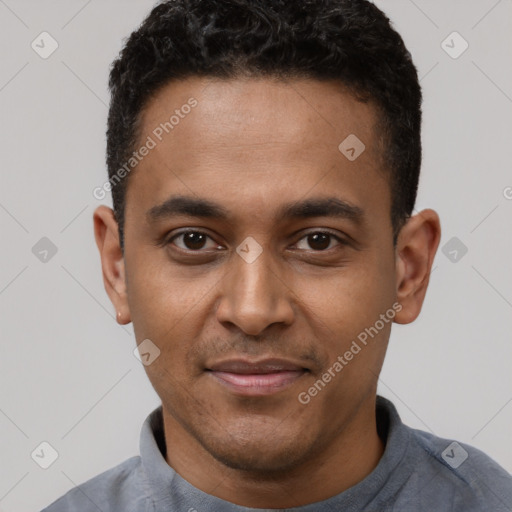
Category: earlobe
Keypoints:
(416, 248)
(112, 261)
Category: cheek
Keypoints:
(346, 322)
(350, 297)
(163, 303)
(346, 307)
(169, 311)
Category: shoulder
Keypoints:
(119, 488)
(470, 479)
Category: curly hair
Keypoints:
(350, 41)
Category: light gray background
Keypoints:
(68, 375)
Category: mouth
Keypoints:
(259, 378)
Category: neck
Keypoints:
(346, 461)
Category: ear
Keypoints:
(106, 233)
(416, 247)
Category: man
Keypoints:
(263, 158)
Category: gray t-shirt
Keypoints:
(417, 472)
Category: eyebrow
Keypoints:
(308, 208)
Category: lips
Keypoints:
(258, 378)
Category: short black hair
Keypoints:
(350, 41)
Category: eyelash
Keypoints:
(169, 241)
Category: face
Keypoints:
(256, 254)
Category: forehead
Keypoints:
(300, 112)
(258, 141)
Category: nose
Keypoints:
(254, 296)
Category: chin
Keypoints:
(258, 451)
(254, 460)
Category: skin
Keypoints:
(251, 146)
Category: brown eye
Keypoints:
(192, 241)
(319, 241)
